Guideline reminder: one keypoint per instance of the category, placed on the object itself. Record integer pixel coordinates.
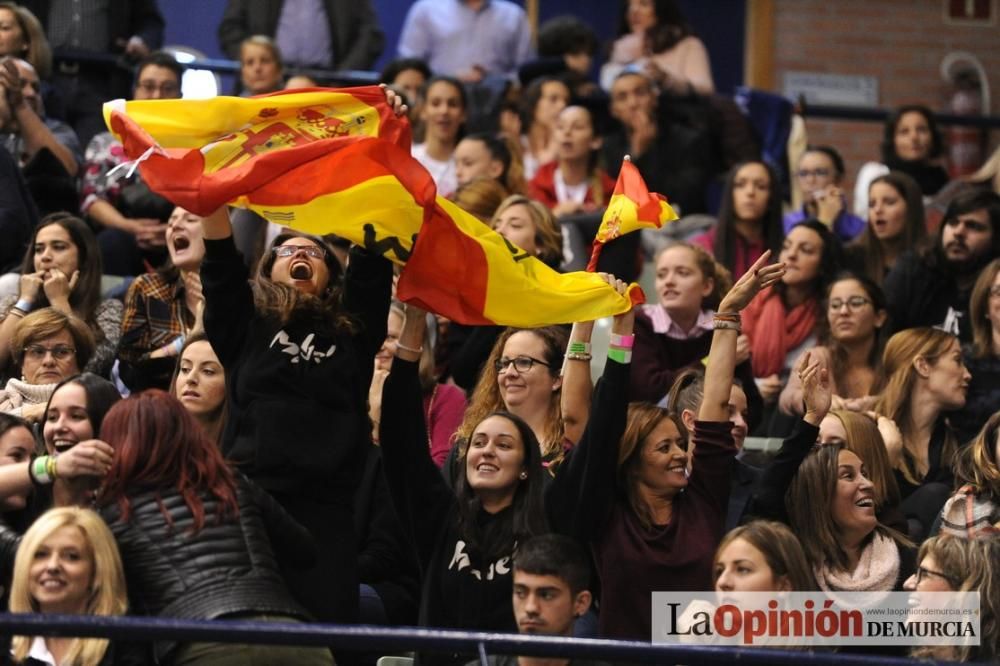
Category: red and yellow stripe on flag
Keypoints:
(367, 190)
(631, 208)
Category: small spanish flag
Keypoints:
(338, 161)
(631, 208)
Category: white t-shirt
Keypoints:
(443, 173)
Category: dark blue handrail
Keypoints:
(397, 639)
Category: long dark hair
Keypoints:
(527, 512)
(671, 26)
(725, 231)
(284, 302)
(914, 232)
(831, 260)
(889, 155)
(101, 396)
(838, 353)
(86, 296)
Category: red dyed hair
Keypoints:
(160, 447)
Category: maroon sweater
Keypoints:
(633, 562)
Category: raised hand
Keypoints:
(759, 276)
(394, 100)
(91, 457)
(891, 436)
(817, 389)
(58, 287)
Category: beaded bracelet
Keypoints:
(725, 325)
(578, 356)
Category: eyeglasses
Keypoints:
(310, 250)
(854, 303)
(818, 173)
(521, 363)
(38, 352)
(166, 89)
(924, 572)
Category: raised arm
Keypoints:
(419, 492)
(721, 364)
(576, 386)
(580, 498)
(769, 498)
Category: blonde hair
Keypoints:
(900, 376)
(548, 234)
(107, 586)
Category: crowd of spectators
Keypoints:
(203, 418)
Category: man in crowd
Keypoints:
(674, 160)
(328, 34)
(551, 580)
(932, 287)
(468, 39)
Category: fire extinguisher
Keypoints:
(965, 143)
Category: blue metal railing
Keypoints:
(388, 640)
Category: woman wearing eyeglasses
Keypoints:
(820, 173)
(852, 335)
(521, 376)
(49, 346)
(297, 343)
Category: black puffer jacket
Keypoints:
(225, 569)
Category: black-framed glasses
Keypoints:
(38, 352)
(854, 303)
(521, 363)
(924, 572)
(288, 250)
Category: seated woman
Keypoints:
(853, 341)
(543, 100)
(261, 67)
(199, 382)
(444, 404)
(573, 182)
(982, 357)
(872, 440)
(895, 226)
(911, 144)
(48, 346)
(62, 269)
(72, 546)
(162, 308)
(654, 34)
(974, 508)
(72, 466)
(654, 526)
(781, 322)
(201, 541)
(925, 377)
(949, 564)
(489, 155)
(443, 116)
(762, 556)
(521, 376)
(749, 218)
(676, 333)
(530, 226)
(820, 173)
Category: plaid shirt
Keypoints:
(155, 315)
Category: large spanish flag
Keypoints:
(338, 161)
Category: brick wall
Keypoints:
(901, 42)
